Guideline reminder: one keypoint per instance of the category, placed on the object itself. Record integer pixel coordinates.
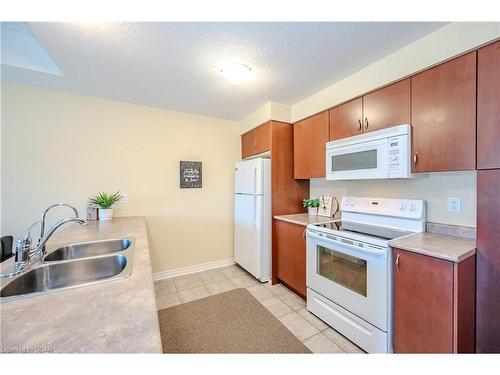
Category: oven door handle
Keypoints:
(364, 250)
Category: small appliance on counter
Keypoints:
(252, 217)
(348, 267)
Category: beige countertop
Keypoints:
(441, 246)
(304, 219)
(119, 316)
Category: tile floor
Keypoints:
(281, 302)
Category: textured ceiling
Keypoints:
(174, 65)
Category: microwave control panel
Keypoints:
(399, 158)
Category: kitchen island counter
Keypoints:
(118, 316)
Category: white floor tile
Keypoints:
(193, 294)
(319, 343)
(167, 300)
(300, 327)
(219, 287)
(188, 282)
(313, 319)
(260, 292)
(276, 306)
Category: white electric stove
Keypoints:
(349, 273)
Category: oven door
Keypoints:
(367, 160)
(355, 278)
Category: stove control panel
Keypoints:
(404, 208)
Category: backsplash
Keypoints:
(435, 188)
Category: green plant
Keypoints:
(311, 203)
(105, 200)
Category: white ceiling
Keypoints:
(174, 65)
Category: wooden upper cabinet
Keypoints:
(247, 144)
(488, 107)
(443, 107)
(262, 138)
(309, 143)
(346, 119)
(256, 141)
(386, 107)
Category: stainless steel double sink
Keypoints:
(74, 265)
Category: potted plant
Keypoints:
(104, 202)
(312, 206)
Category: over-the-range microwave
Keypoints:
(380, 154)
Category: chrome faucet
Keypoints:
(26, 254)
(42, 223)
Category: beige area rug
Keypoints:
(230, 322)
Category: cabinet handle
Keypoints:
(397, 263)
(359, 125)
(366, 122)
(415, 158)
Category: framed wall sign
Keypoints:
(190, 174)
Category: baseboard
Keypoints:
(176, 272)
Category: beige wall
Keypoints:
(269, 111)
(445, 42)
(63, 147)
(435, 188)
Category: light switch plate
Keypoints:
(454, 204)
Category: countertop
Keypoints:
(452, 248)
(119, 316)
(304, 219)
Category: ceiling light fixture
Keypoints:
(237, 73)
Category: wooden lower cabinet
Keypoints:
(290, 246)
(434, 304)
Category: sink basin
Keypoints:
(88, 249)
(68, 274)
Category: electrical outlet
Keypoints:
(454, 204)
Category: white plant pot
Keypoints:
(105, 213)
(312, 211)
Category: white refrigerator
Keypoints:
(252, 217)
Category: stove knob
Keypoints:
(402, 207)
(412, 207)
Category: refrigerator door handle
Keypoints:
(255, 179)
(254, 211)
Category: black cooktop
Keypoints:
(364, 229)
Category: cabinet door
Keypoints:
(423, 304)
(291, 253)
(309, 146)
(247, 144)
(262, 139)
(345, 120)
(488, 107)
(444, 116)
(389, 106)
(488, 262)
